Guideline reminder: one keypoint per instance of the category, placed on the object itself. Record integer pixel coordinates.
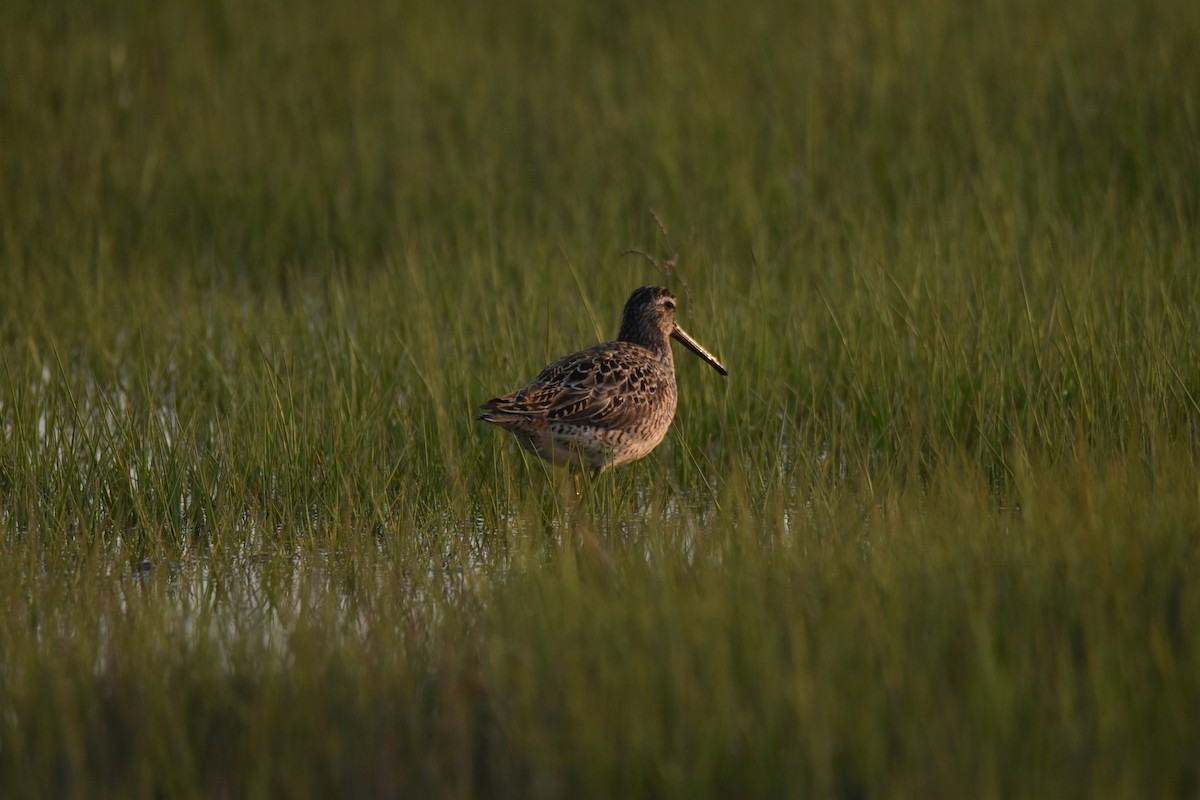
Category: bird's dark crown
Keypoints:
(649, 318)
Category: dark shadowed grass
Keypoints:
(936, 534)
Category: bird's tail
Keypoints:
(496, 412)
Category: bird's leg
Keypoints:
(575, 475)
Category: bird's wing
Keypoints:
(606, 386)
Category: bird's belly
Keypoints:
(569, 445)
(599, 448)
(634, 447)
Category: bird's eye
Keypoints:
(669, 305)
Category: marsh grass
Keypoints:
(936, 534)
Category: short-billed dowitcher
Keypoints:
(610, 404)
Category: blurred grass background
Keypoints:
(936, 535)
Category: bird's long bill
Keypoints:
(691, 344)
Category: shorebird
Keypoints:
(607, 405)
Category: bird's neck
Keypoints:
(649, 338)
